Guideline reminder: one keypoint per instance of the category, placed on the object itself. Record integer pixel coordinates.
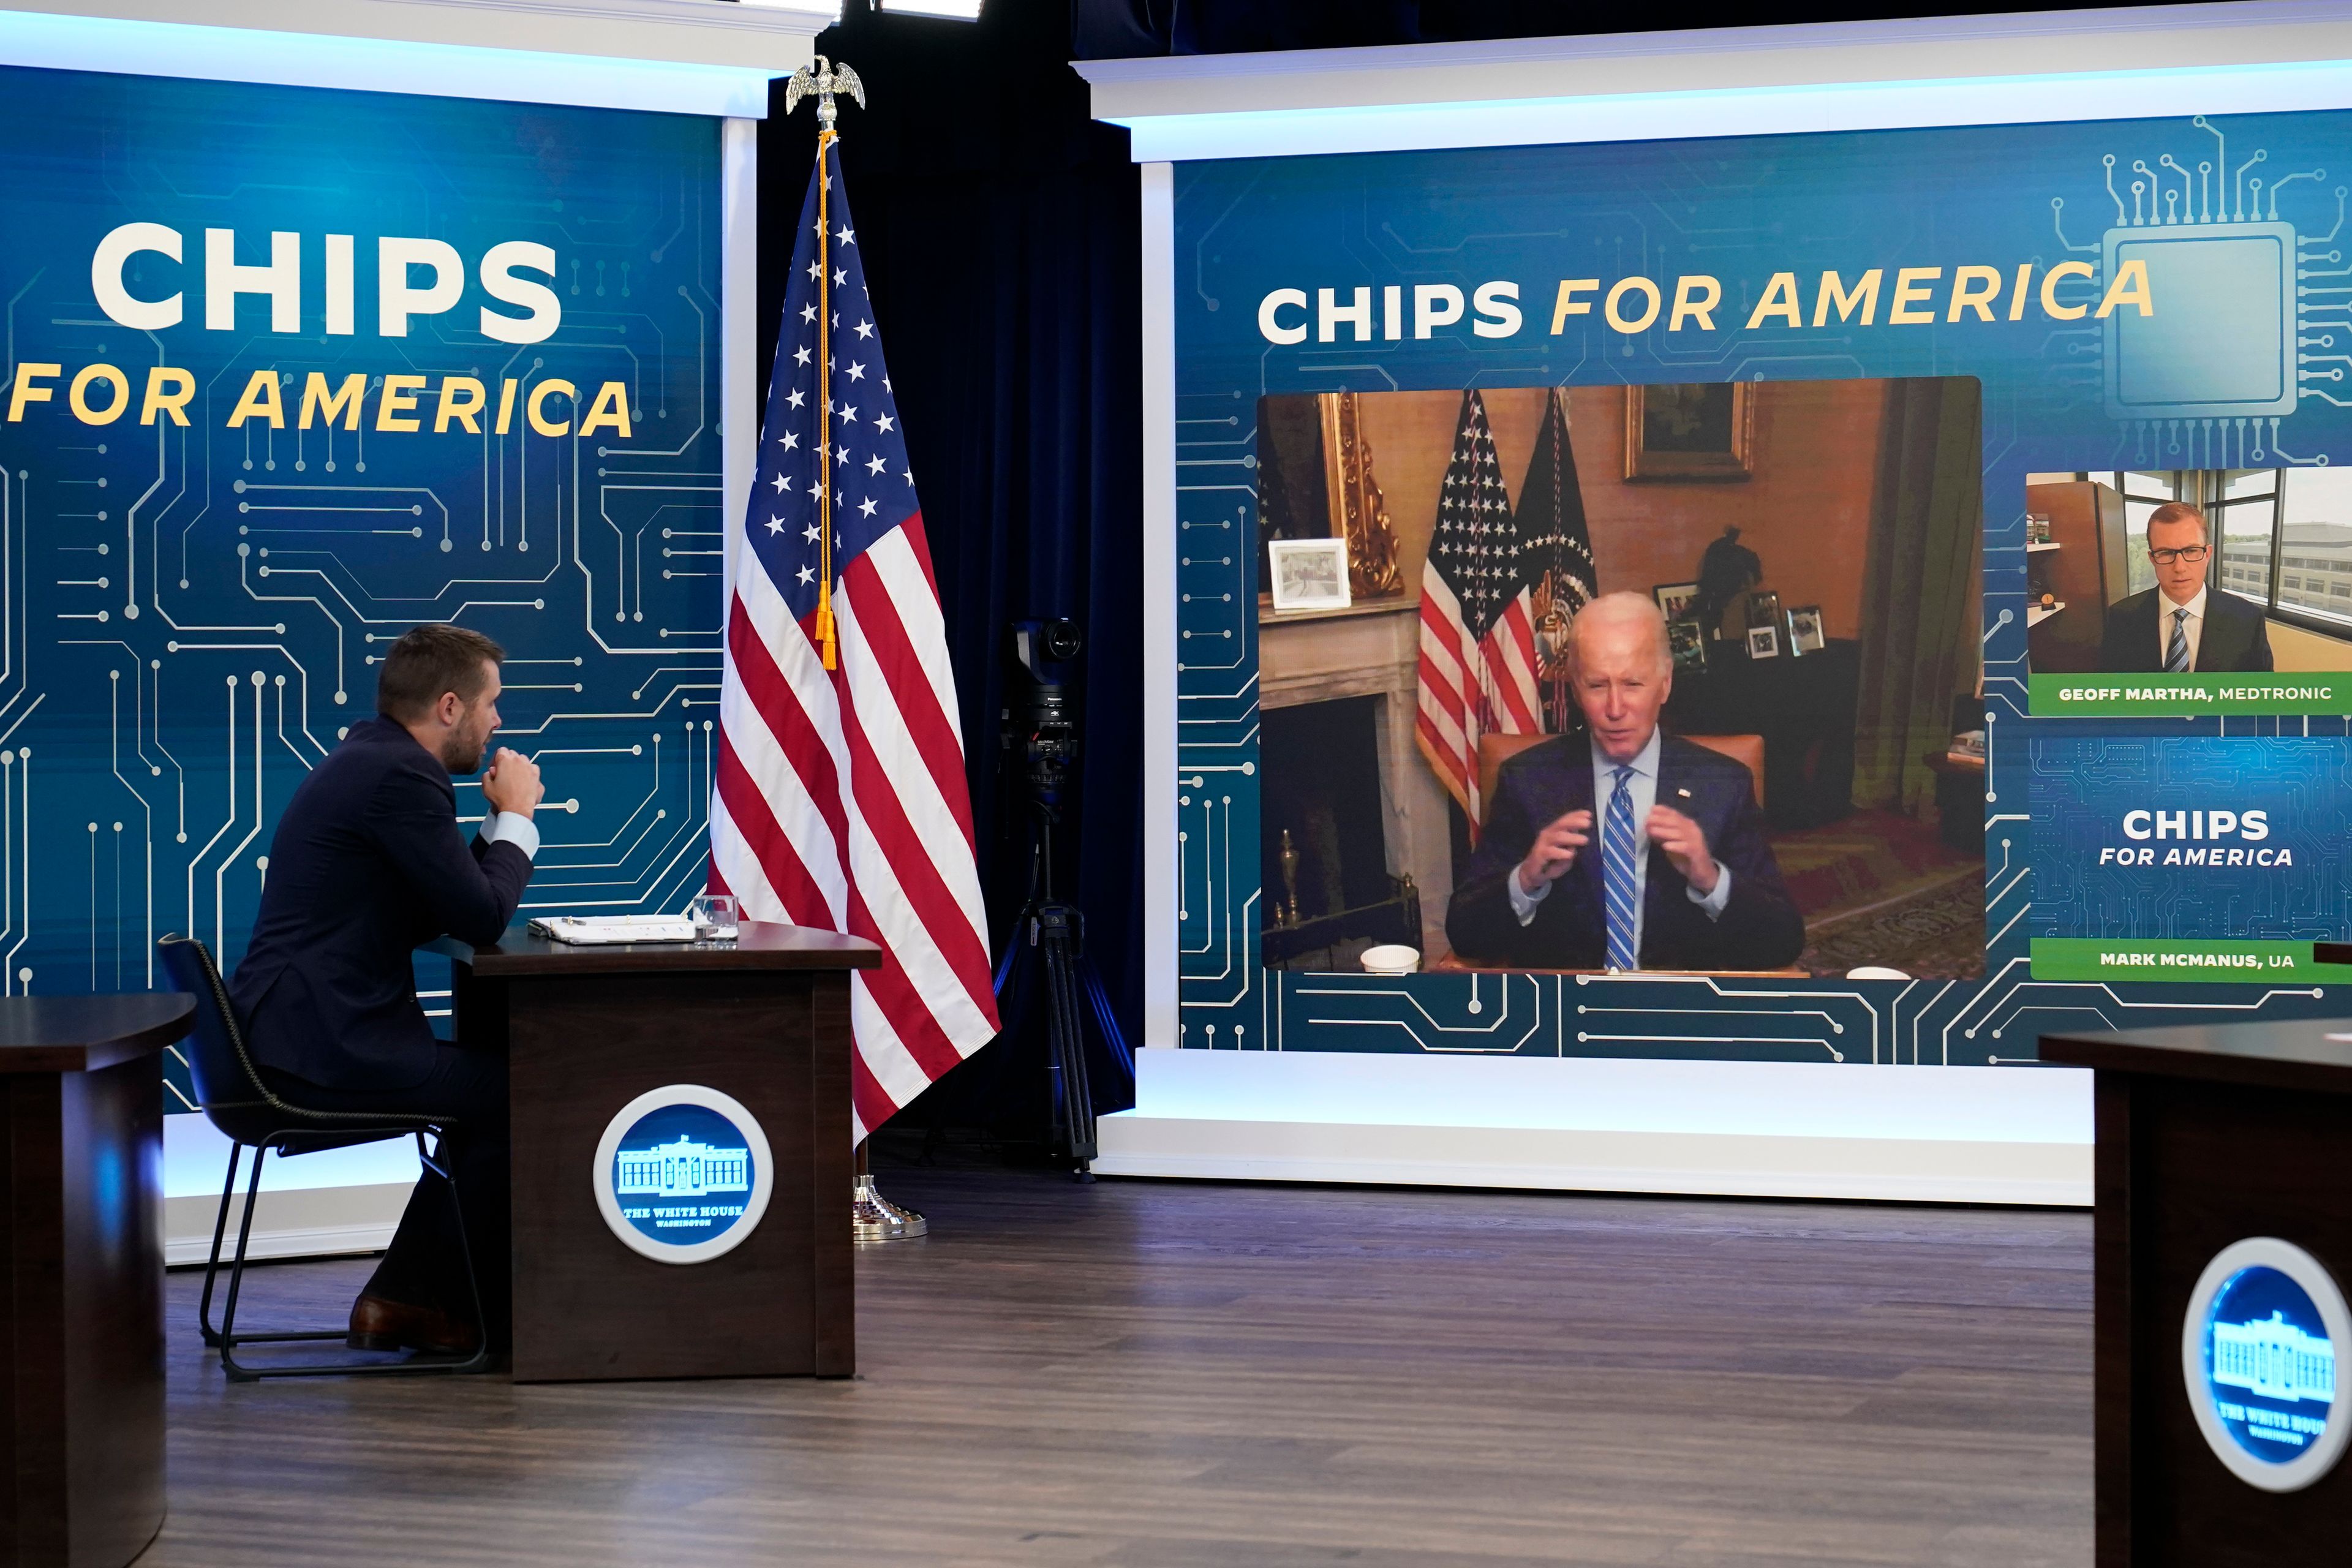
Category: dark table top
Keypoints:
(2287, 1053)
(84, 1034)
(759, 946)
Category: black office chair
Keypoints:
(231, 1093)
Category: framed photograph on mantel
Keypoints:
(1309, 573)
(1693, 432)
(1675, 600)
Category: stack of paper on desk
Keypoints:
(584, 931)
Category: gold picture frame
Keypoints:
(1359, 513)
(1690, 431)
(1352, 507)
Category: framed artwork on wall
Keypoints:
(1693, 432)
(1315, 480)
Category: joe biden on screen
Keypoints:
(1623, 848)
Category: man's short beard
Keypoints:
(463, 752)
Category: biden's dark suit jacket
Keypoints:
(2235, 639)
(367, 863)
(1759, 927)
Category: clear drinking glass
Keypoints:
(713, 915)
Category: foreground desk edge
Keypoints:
(2175, 1109)
(82, 1097)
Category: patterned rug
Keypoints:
(1934, 933)
(1879, 889)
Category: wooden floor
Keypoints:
(1168, 1375)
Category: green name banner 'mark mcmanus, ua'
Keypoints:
(2184, 696)
(2238, 962)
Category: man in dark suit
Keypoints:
(1624, 848)
(368, 862)
(2182, 624)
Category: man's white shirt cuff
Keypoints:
(1523, 904)
(512, 828)
(1713, 902)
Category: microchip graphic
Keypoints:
(2230, 353)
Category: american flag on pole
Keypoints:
(1478, 667)
(839, 799)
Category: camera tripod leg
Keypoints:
(1105, 1020)
(1068, 1059)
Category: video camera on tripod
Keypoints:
(1041, 713)
(1041, 737)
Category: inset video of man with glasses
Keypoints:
(2184, 623)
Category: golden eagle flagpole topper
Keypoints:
(824, 78)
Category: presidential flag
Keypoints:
(839, 798)
(1556, 574)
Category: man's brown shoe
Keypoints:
(379, 1324)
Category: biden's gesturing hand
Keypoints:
(1554, 851)
(511, 783)
(1684, 843)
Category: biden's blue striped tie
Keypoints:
(2176, 652)
(1617, 871)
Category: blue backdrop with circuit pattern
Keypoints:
(2237, 226)
(2215, 838)
(191, 613)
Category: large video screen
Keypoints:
(1863, 597)
(1673, 677)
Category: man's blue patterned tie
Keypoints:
(1617, 871)
(2176, 652)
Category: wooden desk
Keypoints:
(1451, 963)
(586, 1030)
(2207, 1136)
(81, 1304)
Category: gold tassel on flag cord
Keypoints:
(827, 645)
(822, 79)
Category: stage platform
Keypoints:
(1925, 1134)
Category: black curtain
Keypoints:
(999, 230)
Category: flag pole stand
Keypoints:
(874, 1218)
